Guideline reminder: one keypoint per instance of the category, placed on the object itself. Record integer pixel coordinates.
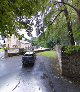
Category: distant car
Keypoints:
(28, 58)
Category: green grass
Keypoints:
(1, 50)
(50, 54)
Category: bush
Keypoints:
(70, 49)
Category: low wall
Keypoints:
(58, 49)
(13, 54)
(41, 50)
(21, 51)
(71, 65)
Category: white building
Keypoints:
(13, 42)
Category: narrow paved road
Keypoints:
(1, 54)
(14, 78)
(41, 77)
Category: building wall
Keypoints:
(12, 42)
(26, 45)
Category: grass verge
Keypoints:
(49, 54)
(52, 55)
(1, 50)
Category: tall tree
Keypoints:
(12, 13)
(69, 25)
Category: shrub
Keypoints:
(70, 49)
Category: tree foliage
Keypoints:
(12, 13)
(60, 17)
(71, 12)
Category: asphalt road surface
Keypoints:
(15, 78)
(41, 77)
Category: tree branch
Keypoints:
(51, 22)
(68, 5)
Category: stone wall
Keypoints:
(21, 51)
(58, 49)
(42, 50)
(71, 65)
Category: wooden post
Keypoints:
(6, 54)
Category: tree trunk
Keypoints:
(69, 27)
(78, 14)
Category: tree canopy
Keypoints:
(12, 13)
(59, 16)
